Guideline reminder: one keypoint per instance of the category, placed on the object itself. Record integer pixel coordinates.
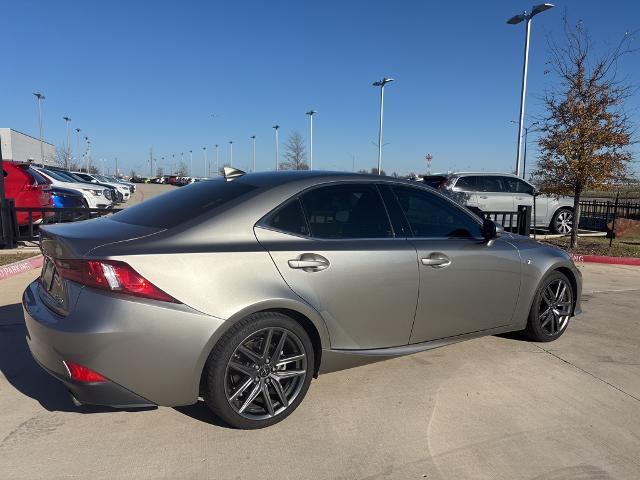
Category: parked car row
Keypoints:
(37, 187)
(175, 180)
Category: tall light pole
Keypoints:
(86, 154)
(253, 138)
(231, 153)
(173, 163)
(67, 120)
(311, 113)
(526, 136)
(526, 17)
(217, 160)
(276, 128)
(381, 84)
(78, 146)
(39, 98)
(181, 159)
(190, 163)
(204, 154)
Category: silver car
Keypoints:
(240, 290)
(503, 192)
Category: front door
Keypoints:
(466, 284)
(335, 248)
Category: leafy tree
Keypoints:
(295, 153)
(586, 131)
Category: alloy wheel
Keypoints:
(564, 222)
(265, 373)
(555, 307)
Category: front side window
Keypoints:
(491, 183)
(346, 211)
(430, 216)
(467, 184)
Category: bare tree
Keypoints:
(586, 132)
(181, 170)
(295, 153)
(159, 171)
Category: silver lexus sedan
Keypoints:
(240, 290)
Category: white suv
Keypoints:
(95, 196)
(503, 192)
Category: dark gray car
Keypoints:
(239, 290)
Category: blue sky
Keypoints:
(135, 74)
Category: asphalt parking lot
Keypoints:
(494, 408)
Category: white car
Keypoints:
(94, 196)
(504, 192)
(95, 178)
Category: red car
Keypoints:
(28, 189)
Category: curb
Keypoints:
(603, 259)
(21, 266)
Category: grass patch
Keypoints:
(600, 246)
(6, 259)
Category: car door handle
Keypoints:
(484, 197)
(309, 264)
(436, 260)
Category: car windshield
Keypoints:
(55, 175)
(183, 204)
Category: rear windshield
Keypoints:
(184, 203)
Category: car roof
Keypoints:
(463, 174)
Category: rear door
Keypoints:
(466, 284)
(523, 195)
(335, 247)
(493, 195)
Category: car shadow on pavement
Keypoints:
(24, 374)
(200, 411)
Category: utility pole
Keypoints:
(39, 98)
(86, 154)
(381, 84)
(231, 153)
(429, 157)
(78, 147)
(150, 162)
(190, 163)
(217, 161)
(117, 167)
(204, 154)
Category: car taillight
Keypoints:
(111, 275)
(80, 373)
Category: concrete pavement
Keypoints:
(492, 408)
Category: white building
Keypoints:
(20, 147)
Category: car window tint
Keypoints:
(40, 180)
(433, 217)
(183, 204)
(515, 185)
(346, 211)
(468, 184)
(289, 218)
(491, 183)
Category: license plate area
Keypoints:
(54, 285)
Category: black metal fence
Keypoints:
(597, 214)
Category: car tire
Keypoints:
(562, 221)
(551, 309)
(245, 385)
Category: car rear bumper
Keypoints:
(151, 353)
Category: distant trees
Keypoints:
(295, 153)
(586, 131)
(159, 171)
(181, 170)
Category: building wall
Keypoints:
(20, 147)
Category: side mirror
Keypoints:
(491, 230)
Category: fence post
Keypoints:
(613, 224)
(7, 234)
(524, 220)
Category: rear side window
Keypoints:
(467, 184)
(491, 183)
(346, 211)
(515, 185)
(290, 219)
(430, 216)
(183, 204)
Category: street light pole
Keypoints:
(39, 98)
(68, 152)
(381, 84)
(311, 113)
(253, 138)
(78, 146)
(217, 161)
(204, 153)
(276, 128)
(191, 163)
(526, 17)
(86, 154)
(231, 153)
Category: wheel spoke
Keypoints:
(267, 399)
(252, 396)
(255, 357)
(286, 360)
(241, 368)
(545, 319)
(241, 389)
(267, 343)
(548, 295)
(278, 388)
(282, 374)
(278, 351)
(562, 288)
